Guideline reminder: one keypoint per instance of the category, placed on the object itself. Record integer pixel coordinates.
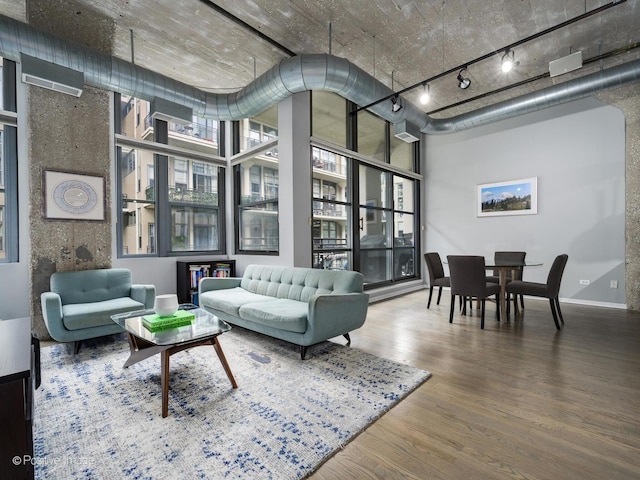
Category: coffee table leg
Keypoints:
(223, 360)
(164, 381)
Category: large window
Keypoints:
(8, 164)
(260, 129)
(171, 203)
(256, 187)
(365, 220)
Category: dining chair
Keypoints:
(508, 256)
(468, 279)
(549, 290)
(436, 275)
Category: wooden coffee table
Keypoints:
(204, 330)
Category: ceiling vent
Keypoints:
(565, 64)
(162, 109)
(406, 131)
(51, 76)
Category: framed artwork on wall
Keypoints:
(73, 196)
(513, 197)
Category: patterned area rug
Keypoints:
(95, 419)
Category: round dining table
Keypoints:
(504, 266)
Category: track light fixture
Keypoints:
(426, 95)
(508, 60)
(463, 82)
(395, 104)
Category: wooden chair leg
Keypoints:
(482, 314)
(552, 302)
(522, 301)
(453, 303)
(439, 295)
(430, 295)
(498, 306)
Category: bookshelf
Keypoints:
(190, 273)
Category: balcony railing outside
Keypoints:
(185, 195)
(339, 168)
(195, 130)
(329, 210)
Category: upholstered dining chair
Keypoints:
(549, 290)
(436, 275)
(508, 256)
(468, 279)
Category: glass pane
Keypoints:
(329, 117)
(401, 154)
(332, 260)
(403, 194)
(1, 86)
(371, 135)
(375, 265)
(3, 233)
(403, 230)
(373, 187)
(373, 228)
(403, 261)
(259, 129)
(193, 182)
(259, 227)
(200, 135)
(193, 229)
(259, 178)
(137, 171)
(135, 119)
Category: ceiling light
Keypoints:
(508, 61)
(426, 96)
(463, 82)
(395, 105)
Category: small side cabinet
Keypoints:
(19, 373)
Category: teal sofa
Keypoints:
(303, 306)
(80, 303)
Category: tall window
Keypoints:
(256, 180)
(171, 204)
(8, 164)
(331, 204)
(260, 129)
(373, 230)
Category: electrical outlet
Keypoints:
(584, 282)
(614, 284)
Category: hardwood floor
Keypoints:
(516, 400)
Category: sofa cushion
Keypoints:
(230, 300)
(77, 316)
(283, 314)
(86, 286)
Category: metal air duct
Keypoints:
(292, 75)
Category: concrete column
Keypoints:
(69, 134)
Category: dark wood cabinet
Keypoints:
(18, 368)
(190, 273)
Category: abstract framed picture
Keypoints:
(73, 196)
(513, 197)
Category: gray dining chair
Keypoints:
(436, 275)
(549, 290)
(508, 256)
(468, 280)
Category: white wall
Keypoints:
(577, 153)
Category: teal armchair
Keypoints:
(80, 303)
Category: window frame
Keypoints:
(9, 157)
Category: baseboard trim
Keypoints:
(591, 303)
(391, 291)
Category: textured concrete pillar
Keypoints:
(73, 135)
(627, 99)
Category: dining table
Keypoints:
(503, 267)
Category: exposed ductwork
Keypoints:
(292, 75)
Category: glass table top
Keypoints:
(204, 325)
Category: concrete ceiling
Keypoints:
(404, 40)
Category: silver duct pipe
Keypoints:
(292, 75)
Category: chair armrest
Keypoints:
(144, 294)
(52, 313)
(336, 314)
(212, 283)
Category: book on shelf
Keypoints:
(222, 270)
(197, 272)
(155, 322)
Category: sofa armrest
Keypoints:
(336, 314)
(144, 294)
(212, 283)
(52, 313)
